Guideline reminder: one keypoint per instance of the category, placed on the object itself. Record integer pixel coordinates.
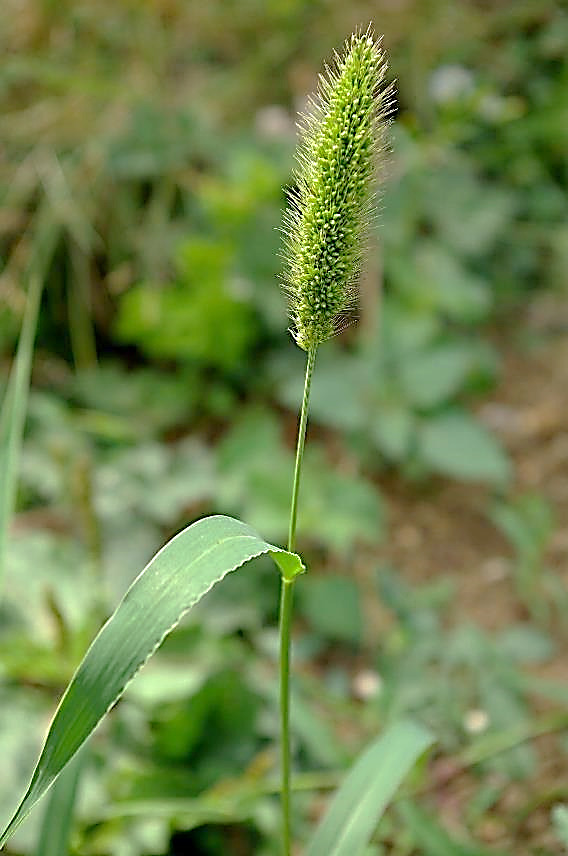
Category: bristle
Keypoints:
(330, 209)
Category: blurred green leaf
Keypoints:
(431, 376)
(469, 213)
(223, 706)
(370, 784)
(146, 400)
(23, 715)
(454, 444)
(525, 643)
(527, 522)
(201, 316)
(393, 431)
(332, 606)
(154, 480)
(435, 280)
(46, 569)
(340, 387)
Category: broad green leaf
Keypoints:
(340, 509)
(340, 389)
(455, 444)
(436, 280)
(525, 643)
(360, 801)
(40, 561)
(392, 431)
(432, 375)
(124, 403)
(403, 330)
(470, 214)
(340, 392)
(175, 580)
(332, 605)
(183, 320)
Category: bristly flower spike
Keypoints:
(325, 225)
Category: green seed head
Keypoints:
(329, 212)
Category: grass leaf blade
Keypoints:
(58, 818)
(174, 580)
(370, 784)
(13, 413)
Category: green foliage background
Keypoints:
(144, 148)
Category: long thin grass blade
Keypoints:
(359, 803)
(57, 821)
(13, 413)
(43, 237)
(175, 580)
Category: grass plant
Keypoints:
(325, 228)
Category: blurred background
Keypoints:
(145, 148)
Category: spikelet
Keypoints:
(330, 207)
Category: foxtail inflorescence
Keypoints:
(325, 224)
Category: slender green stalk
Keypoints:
(14, 405)
(324, 223)
(286, 604)
(300, 447)
(13, 414)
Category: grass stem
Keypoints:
(286, 604)
(300, 448)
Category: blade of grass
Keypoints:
(359, 803)
(43, 236)
(57, 821)
(233, 795)
(178, 576)
(12, 417)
